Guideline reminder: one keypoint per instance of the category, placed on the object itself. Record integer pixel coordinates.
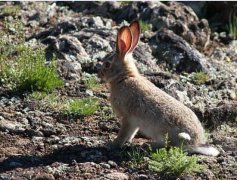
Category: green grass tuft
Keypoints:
(144, 26)
(33, 74)
(11, 9)
(137, 156)
(232, 26)
(82, 107)
(106, 113)
(65, 106)
(125, 3)
(47, 100)
(23, 68)
(200, 78)
(91, 82)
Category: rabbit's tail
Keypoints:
(200, 149)
(203, 149)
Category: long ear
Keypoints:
(135, 30)
(124, 40)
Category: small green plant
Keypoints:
(70, 107)
(11, 9)
(137, 156)
(174, 161)
(106, 112)
(200, 78)
(125, 3)
(39, 96)
(81, 107)
(144, 26)
(232, 26)
(91, 82)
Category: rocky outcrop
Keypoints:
(177, 53)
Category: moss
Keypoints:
(11, 10)
(200, 78)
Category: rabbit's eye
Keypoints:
(107, 65)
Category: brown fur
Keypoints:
(143, 106)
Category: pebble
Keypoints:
(142, 177)
(11, 126)
(232, 94)
(117, 176)
(105, 165)
(112, 164)
(4, 177)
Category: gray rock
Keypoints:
(232, 94)
(71, 55)
(173, 15)
(31, 132)
(60, 28)
(177, 53)
(98, 42)
(5, 177)
(37, 140)
(183, 97)
(183, 21)
(69, 70)
(145, 61)
(112, 164)
(142, 177)
(105, 165)
(72, 47)
(117, 176)
(95, 22)
(227, 112)
(11, 126)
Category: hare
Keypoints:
(143, 106)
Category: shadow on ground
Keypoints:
(67, 155)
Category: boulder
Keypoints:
(177, 53)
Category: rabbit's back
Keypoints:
(154, 110)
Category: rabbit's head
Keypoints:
(120, 63)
